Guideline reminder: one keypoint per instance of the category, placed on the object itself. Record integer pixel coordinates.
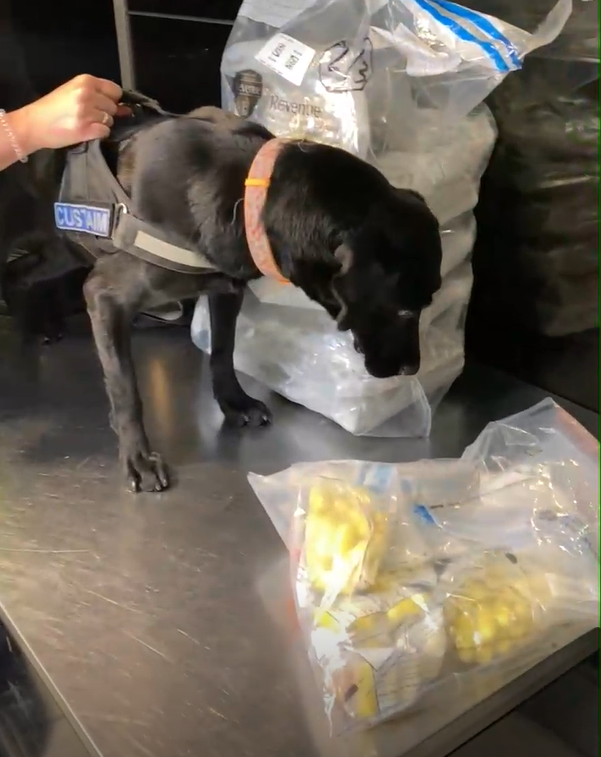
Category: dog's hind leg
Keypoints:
(238, 408)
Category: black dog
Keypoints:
(370, 254)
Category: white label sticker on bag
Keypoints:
(287, 57)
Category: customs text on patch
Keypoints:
(86, 219)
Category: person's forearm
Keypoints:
(14, 138)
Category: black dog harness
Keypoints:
(93, 204)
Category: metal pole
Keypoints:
(126, 60)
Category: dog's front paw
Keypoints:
(146, 472)
(246, 412)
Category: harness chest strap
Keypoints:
(91, 192)
(256, 187)
(138, 237)
(93, 203)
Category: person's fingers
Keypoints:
(123, 110)
(95, 131)
(101, 117)
(104, 104)
(109, 89)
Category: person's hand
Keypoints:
(80, 110)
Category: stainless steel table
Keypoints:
(165, 621)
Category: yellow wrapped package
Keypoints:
(353, 532)
(376, 633)
(386, 673)
(372, 617)
(346, 537)
(496, 606)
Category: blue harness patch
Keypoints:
(86, 219)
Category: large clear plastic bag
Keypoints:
(447, 167)
(338, 71)
(411, 579)
(299, 353)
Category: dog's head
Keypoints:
(387, 271)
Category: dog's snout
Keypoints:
(389, 371)
(409, 370)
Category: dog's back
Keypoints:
(186, 176)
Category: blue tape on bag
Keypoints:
(487, 47)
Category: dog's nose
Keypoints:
(409, 370)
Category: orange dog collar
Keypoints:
(256, 187)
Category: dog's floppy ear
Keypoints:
(416, 194)
(404, 193)
(344, 255)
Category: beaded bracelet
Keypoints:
(11, 137)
